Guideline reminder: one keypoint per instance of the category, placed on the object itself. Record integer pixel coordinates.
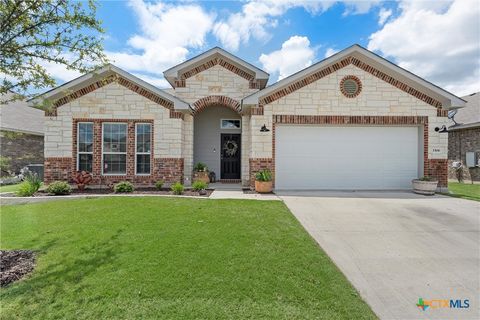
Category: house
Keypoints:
(351, 121)
(464, 138)
(21, 133)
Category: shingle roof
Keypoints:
(19, 117)
(471, 112)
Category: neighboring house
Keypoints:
(464, 137)
(351, 121)
(21, 133)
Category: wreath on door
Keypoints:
(230, 148)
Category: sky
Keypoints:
(437, 40)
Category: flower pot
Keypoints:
(201, 176)
(424, 187)
(263, 186)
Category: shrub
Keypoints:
(26, 189)
(33, 179)
(123, 187)
(59, 188)
(199, 185)
(177, 188)
(200, 167)
(264, 175)
(426, 178)
(159, 184)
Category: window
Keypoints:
(230, 124)
(85, 146)
(142, 148)
(115, 148)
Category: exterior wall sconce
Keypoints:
(264, 128)
(443, 129)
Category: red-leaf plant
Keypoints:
(82, 178)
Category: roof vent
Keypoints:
(350, 86)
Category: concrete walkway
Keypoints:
(398, 247)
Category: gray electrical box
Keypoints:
(470, 159)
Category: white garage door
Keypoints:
(313, 157)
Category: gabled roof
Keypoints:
(17, 116)
(372, 60)
(180, 71)
(101, 73)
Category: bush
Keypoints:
(59, 188)
(177, 188)
(159, 184)
(33, 179)
(123, 187)
(26, 189)
(200, 167)
(264, 175)
(427, 178)
(199, 185)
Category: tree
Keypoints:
(36, 32)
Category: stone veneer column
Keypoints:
(187, 150)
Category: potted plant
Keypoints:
(201, 172)
(263, 181)
(425, 185)
(82, 178)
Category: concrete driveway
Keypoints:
(398, 247)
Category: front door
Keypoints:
(230, 156)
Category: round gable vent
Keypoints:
(350, 86)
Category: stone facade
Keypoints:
(462, 141)
(21, 149)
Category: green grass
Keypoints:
(151, 258)
(464, 190)
(10, 188)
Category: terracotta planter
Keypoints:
(424, 187)
(263, 186)
(201, 176)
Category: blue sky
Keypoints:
(438, 40)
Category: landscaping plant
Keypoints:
(123, 187)
(199, 185)
(177, 188)
(264, 175)
(82, 178)
(200, 167)
(31, 183)
(59, 188)
(159, 184)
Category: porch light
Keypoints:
(264, 128)
(443, 129)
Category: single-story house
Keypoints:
(464, 138)
(21, 133)
(351, 121)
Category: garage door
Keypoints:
(313, 157)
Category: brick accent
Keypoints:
(57, 168)
(213, 62)
(437, 168)
(357, 81)
(120, 80)
(341, 64)
(433, 167)
(257, 164)
(170, 170)
(460, 142)
(205, 102)
(256, 111)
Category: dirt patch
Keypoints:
(15, 264)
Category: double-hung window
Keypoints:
(142, 148)
(85, 146)
(114, 148)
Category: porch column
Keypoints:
(187, 148)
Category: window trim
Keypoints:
(78, 144)
(229, 119)
(143, 153)
(126, 150)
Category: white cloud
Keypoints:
(168, 32)
(439, 42)
(359, 6)
(330, 52)
(255, 19)
(294, 55)
(383, 15)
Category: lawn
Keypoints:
(9, 188)
(170, 258)
(464, 190)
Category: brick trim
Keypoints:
(341, 64)
(225, 101)
(357, 81)
(111, 79)
(257, 164)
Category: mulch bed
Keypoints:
(164, 191)
(15, 264)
